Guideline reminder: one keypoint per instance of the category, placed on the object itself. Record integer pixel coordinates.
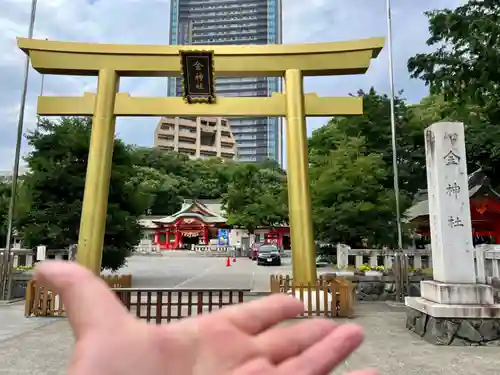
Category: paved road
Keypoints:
(388, 347)
(13, 323)
(178, 271)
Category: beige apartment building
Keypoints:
(200, 138)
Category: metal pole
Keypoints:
(393, 124)
(6, 269)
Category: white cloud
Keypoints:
(146, 22)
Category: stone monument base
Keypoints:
(457, 294)
(456, 325)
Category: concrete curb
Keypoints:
(11, 301)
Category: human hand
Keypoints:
(237, 340)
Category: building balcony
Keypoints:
(186, 135)
(186, 146)
(206, 148)
(227, 142)
(164, 142)
(208, 129)
(166, 130)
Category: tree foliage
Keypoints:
(56, 182)
(464, 67)
(464, 78)
(256, 197)
(374, 125)
(350, 202)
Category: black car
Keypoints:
(269, 255)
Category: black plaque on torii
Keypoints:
(198, 76)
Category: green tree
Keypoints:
(256, 197)
(374, 125)
(196, 179)
(56, 182)
(349, 199)
(482, 139)
(158, 192)
(464, 78)
(464, 67)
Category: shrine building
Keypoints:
(484, 206)
(199, 222)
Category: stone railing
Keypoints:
(418, 258)
(487, 259)
(215, 250)
(20, 257)
(147, 249)
(487, 262)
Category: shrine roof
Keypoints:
(208, 211)
(477, 181)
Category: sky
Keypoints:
(147, 22)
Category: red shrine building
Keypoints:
(484, 207)
(199, 222)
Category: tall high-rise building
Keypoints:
(218, 22)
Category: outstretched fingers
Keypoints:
(364, 372)
(257, 316)
(88, 301)
(322, 357)
(286, 341)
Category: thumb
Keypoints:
(89, 303)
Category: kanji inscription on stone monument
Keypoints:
(449, 210)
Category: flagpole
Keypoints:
(393, 125)
(6, 262)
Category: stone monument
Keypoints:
(454, 309)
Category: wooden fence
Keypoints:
(401, 276)
(330, 297)
(41, 301)
(153, 305)
(165, 305)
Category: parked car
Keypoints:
(254, 250)
(269, 255)
(324, 260)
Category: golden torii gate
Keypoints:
(109, 62)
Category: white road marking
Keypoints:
(197, 276)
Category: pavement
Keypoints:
(388, 347)
(43, 345)
(191, 272)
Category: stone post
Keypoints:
(450, 222)
(342, 256)
(373, 261)
(41, 253)
(388, 262)
(359, 261)
(480, 263)
(417, 261)
(454, 302)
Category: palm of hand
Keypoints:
(238, 340)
